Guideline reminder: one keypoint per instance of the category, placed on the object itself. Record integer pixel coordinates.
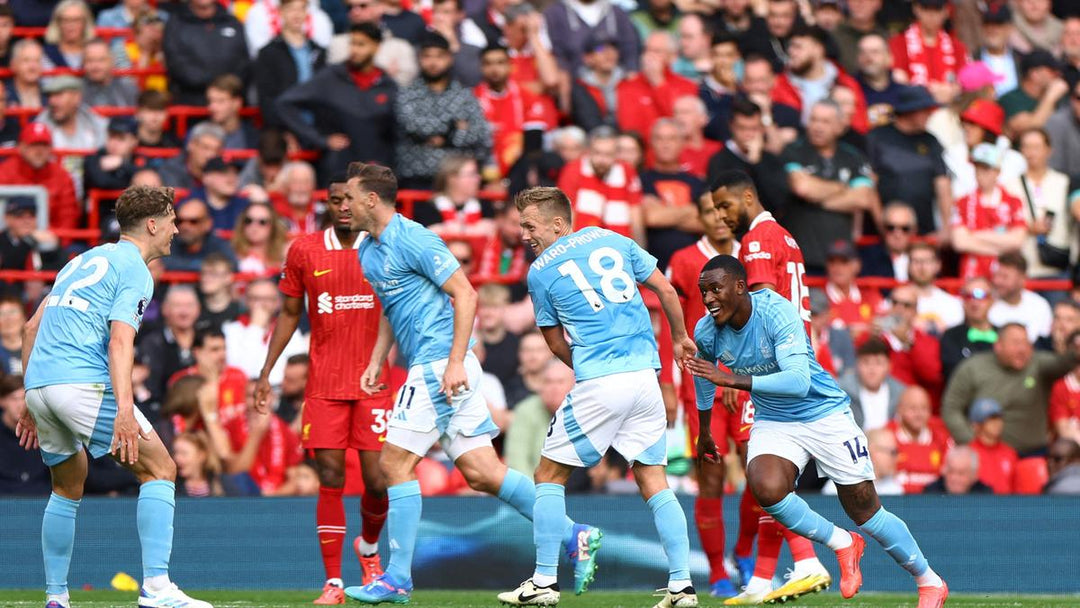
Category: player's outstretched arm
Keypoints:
(459, 288)
(556, 341)
(369, 381)
(669, 301)
(126, 431)
(287, 322)
(29, 334)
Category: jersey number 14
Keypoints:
(616, 294)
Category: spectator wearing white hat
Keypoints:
(989, 221)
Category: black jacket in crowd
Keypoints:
(339, 106)
(201, 50)
(275, 72)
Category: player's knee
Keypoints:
(768, 491)
(711, 481)
(164, 470)
(483, 479)
(333, 477)
(374, 481)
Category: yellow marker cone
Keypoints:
(123, 582)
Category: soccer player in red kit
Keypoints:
(774, 261)
(337, 414)
(683, 271)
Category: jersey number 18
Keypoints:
(608, 276)
(799, 291)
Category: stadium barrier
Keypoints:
(980, 544)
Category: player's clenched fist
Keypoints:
(262, 394)
(706, 448)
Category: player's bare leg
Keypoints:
(373, 508)
(330, 522)
(861, 503)
(58, 526)
(156, 473)
(671, 526)
(709, 518)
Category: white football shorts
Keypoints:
(622, 411)
(423, 416)
(70, 416)
(837, 444)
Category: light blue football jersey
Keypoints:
(107, 283)
(587, 282)
(408, 265)
(774, 339)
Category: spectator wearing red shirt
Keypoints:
(533, 65)
(691, 115)
(269, 446)
(921, 440)
(810, 76)
(989, 221)
(651, 93)
(510, 108)
(1065, 406)
(915, 355)
(605, 192)
(850, 306)
(997, 461)
(927, 55)
(208, 350)
(35, 166)
(294, 197)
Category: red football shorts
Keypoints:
(335, 424)
(725, 425)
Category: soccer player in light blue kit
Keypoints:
(800, 413)
(78, 354)
(415, 276)
(585, 283)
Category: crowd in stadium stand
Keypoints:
(925, 154)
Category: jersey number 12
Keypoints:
(608, 276)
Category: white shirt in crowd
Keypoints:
(245, 348)
(1033, 312)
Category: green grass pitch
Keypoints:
(486, 599)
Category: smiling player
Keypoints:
(801, 414)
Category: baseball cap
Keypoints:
(914, 98)
(841, 249)
(987, 154)
(1039, 59)
(986, 114)
(64, 82)
(837, 4)
(36, 133)
(984, 409)
(598, 39)
(123, 124)
(977, 75)
(433, 40)
(217, 165)
(932, 3)
(515, 11)
(15, 204)
(997, 13)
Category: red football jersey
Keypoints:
(343, 310)
(1001, 211)
(919, 459)
(997, 464)
(1065, 401)
(696, 160)
(771, 255)
(510, 114)
(278, 450)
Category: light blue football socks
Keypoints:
(671, 525)
(896, 539)
(797, 516)
(57, 541)
(549, 529)
(402, 524)
(154, 517)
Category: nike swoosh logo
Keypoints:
(382, 438)
(526, 598)
(319, 273)
(328, 541)
(743, 428)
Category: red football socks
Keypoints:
(770, 537)
(373, 510)
(330, 525)
(749, 515)
(709, 516)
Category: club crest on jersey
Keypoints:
(753, 246)
(765, 348)
(790, 241)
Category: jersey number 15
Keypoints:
(608, 275)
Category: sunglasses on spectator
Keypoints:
(898, 228)
(262, 221)
(190, 220)
(976, 294)
(353, 5)
(904, 303)
(464, 261)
